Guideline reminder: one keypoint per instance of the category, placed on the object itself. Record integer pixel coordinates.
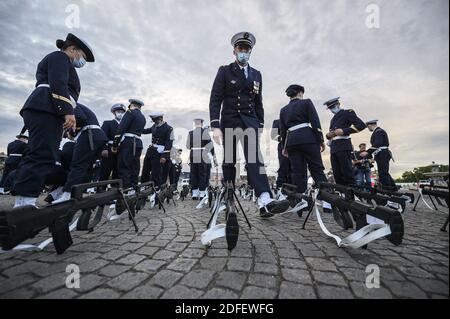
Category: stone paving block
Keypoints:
(131, 259)
(290, 290)
(404, 289)
(361, 291)
(127, 281)
(267, 281)
(219, 293)
(182, 292)
(239, 264)
(114, 270)
(166, 278)
(252, 292)
(144, 292)
(182, 264)
(331, 292)
(231, 279)
(198, 279)
(297, 275)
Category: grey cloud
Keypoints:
(168, 52)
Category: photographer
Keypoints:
(363, 166)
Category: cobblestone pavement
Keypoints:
(275, 259)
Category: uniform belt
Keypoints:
(129, 135)
(44, 85)
(292, 129)
(198, 148)
(382, 148)
(341, 138)
(91, 138)
(87, 127)
(15, 155)
(297, 127)
(159, 148)
(110, 142)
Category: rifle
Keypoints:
(22, 223)
(394, 229)
(438, 193)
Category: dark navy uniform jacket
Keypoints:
(132, 122)
(350, 123)
(110, 129)
(378, 139)
(162, 135)
(84, 116)
(200, 144)
(235, 99)
(56, 70)
(299, 112)
(15, 147)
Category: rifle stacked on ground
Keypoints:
(440, 194)
(348, 211)
(19, 224)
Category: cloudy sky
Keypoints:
(168, 53)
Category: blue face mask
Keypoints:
(243, 57)
(335, 110)
(79, 63)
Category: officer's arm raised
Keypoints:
(357, 125)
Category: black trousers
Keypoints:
(284, 170)
(174, 173)
(341, 163)
(199, 176)
(303, 158)
(45, 134)
(129, 163)
(109, 167)
(387, 182)
(256, 174)
(83, 159)
(57, 178)
(11, 164)
(153, 170)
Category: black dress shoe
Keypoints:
(273, 208)
(327, 211)
(194, 198)
(232, 230)
(49, 199)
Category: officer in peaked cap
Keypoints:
(156, 161)
(47, 112)
(109, 159)
(128, 143)
(343, 124)
(236, 103)
(380, 151)
(15, 151)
